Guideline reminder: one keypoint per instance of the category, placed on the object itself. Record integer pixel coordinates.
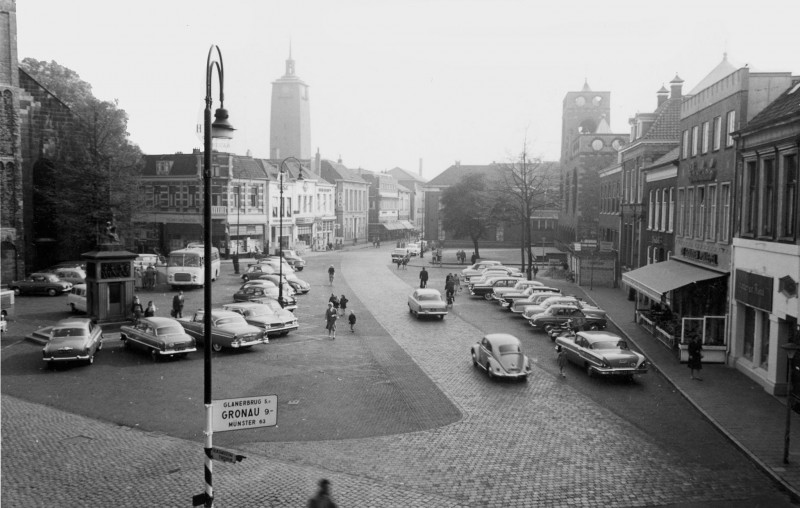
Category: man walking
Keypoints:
(423, 277)
(177, 305)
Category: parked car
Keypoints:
(602, 353)
(558, 314)
(500, 355)
(486, 288)
(399, 254)
(160, 336)
(276, 262)
(76, 298)
(294, 260)
(256, 270)
(494, 271)
(228, 330)
(265, 289)
(270, 317)
(40, 284)
(427, 302)
(73, 275)
(562, 300)
(518, 306)
(413, 249)
(69, 264)
(73, 339)
(517, 288)
(296, 285)
(477, 268)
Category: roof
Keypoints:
(723, 69)
(454, 174)
(599, 335)
(668, 158)
(502, 338)
(341, 172)
(183, 164)
(249, 168)
(402, 174)
(787, 105)
(667, 122)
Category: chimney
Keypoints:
(420, 166)
(318, 162)
(662, 95)
(458, 164)
(675, 86)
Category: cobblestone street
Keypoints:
(539, 443)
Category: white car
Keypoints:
(427, 302)
(413, 249)
(572, 301)
(518, 288)
(494, 272)
(477, 268)
(76, 298)
(537, 296)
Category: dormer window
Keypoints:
(163, 168)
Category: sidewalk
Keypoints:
(751, 418)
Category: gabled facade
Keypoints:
(764, 304)
(416, 185)
(384, 208)
(352, 200)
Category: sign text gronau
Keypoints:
(245, 413)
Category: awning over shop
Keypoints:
(391, 226)
(406, 224)
(658, 278)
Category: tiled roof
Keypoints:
(667, 122)
(786, 105)
(455, 173)
(183, 164)
(342, 171)
(403, 174)
(667, 158)
(249, 168)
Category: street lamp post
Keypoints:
(281, 176)
(221, 128)
(791, 350)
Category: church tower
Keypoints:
(290, 119)
(583, 113)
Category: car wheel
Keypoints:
(489, 370)
(487, 296)
(90, 361)
(52, 292)
(589, 371)
(16, 291)
(441, 316)
(154, 354)
(474, 359)
(216, 347)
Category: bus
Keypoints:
(185, 267)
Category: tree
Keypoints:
(93, 177)
(468, 209)
(524, 187)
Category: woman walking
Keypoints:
(696, 357)
(150, 311)
(343, 304)
(330, 320)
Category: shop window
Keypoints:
(763, 356)
(748, 338)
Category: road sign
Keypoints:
(225, 455)
(606, 246)
(245, 413)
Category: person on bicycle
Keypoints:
(450, 290)
(331, 272)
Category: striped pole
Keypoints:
(209, 468)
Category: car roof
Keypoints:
(242, 305)
(599, 336)
(74, 321)
(501, 338)
(220, 313)
(159, 321)
(259, 282)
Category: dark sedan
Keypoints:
(160, 336)
(40, 284)
(559, 314)
(602, 353)
(228, 329)
(73, 339)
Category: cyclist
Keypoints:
(331, 271)
(450, 290)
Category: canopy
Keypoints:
(658, 278)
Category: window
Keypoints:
(685, 145)
(700, 212)
(695, 140)
(764, 346)
(731, 120)
(671, 210)
(664, 210)
(749, 332)
(766, 198)
(650, 212)
(681, 210)
(749, 198)
(657, 210)
(725, 205)
(711, 221)
(690, 212)
(787, 208)
(706, 136)
(717, 133)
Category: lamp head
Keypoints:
(221, 128)
(791, 349)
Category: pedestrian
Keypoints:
(406, 259)
(331, 273)
(561, 359)
(474, 257)
(150, 277)
(696, 357)
(423, 277)
(235, 260)
(137, 309)
(330, 320)
(138, 280)
(335, 301)
(343, 304)
(535, 271)
(150, 311)
(457, 281)
(323, 497)
(352, 320)
(177, 305)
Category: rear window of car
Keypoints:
(169, 330)
(230, 321)
(69, 332)
(425, 298)
(508, 349)
(610, 344)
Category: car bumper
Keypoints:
(602, 371)
(511, 375)
(246, 343)
(173, 352)
(422, 312)
(56, 359)
(281, 329)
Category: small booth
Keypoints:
(110, 282)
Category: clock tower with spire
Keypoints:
(290, 119)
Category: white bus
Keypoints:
(186, 267)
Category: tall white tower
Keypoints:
(290, 119)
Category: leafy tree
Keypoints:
(93, 177)
(524, 187)
(467, 208)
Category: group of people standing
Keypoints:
(139, 311)
(146, 277)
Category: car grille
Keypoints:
(183, 277)
(179, 347)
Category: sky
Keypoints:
(412, 84)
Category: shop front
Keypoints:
(677, 301)
(245, 238)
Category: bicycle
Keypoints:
(450, 299)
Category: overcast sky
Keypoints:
(396, 82)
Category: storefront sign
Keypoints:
(754, 290)
(699, 255)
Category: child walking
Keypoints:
(562, 360)
(352, 320)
